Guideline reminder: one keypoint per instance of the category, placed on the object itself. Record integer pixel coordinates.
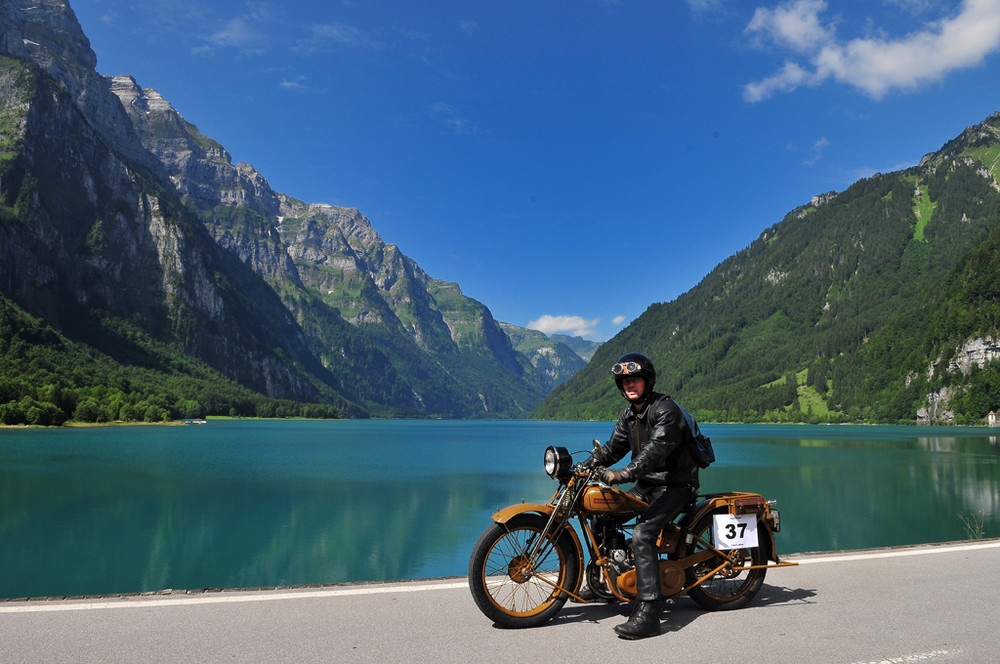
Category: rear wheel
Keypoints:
(734, 585)
(513, 591)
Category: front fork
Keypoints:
(563, 503)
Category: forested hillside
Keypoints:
(838, 312)
(939, 351)
(47, 379)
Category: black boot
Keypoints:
(644, 621)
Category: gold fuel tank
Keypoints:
(613, 501)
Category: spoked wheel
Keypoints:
(732, 586)
(512, 590)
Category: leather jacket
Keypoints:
(655, 437)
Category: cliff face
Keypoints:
(83, 221)
(88, 235)
(117, 213)
(47, 33)
(86, 222)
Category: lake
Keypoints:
(237, 504)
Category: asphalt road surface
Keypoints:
(930, 604)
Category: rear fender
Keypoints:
(733, 502)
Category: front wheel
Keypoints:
(733, 585)
(511, 590)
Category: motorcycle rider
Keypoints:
(665, 472)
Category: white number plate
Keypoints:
(735, 532)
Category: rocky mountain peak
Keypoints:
(131, 94)
(47, 32)
(199, 167)
(974, 143)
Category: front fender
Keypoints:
(505, 514)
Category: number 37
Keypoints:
(735, 532)
(733, 528)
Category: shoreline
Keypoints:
(227, 418)
(188, 422)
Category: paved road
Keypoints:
(931, 604)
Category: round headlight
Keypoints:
(557, 461)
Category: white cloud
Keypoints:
(787, 79)
(874, 65)
(795, 25)
(344, 35)
(576, 326)
(817, 152)
(246, 32)
(297, 85)
(704, 5)
(447, 114)
(915, 6)
(619, 320)
(239, 33)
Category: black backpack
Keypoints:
(698, 443)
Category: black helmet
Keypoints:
(634, 364)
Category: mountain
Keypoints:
(128, 234)
(556, 357)
(582, 347)
(858, 306)
(441, 353)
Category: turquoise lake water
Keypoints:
(274, 503)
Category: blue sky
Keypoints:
(566, 162)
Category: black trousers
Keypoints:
(665, 503)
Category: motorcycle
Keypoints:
(530, 560)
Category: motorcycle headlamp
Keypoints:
(558, 462)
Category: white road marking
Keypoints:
(914, 658)
(157, 601)
(894, 553)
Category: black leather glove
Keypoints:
(616, 476)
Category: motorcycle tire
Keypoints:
(731, 587)
(511, 594)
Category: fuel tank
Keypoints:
(613, 501)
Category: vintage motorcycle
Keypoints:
(530, 560)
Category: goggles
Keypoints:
(626, 368)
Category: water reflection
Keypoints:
(860, 487)
(136, 534)
(268, 504)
